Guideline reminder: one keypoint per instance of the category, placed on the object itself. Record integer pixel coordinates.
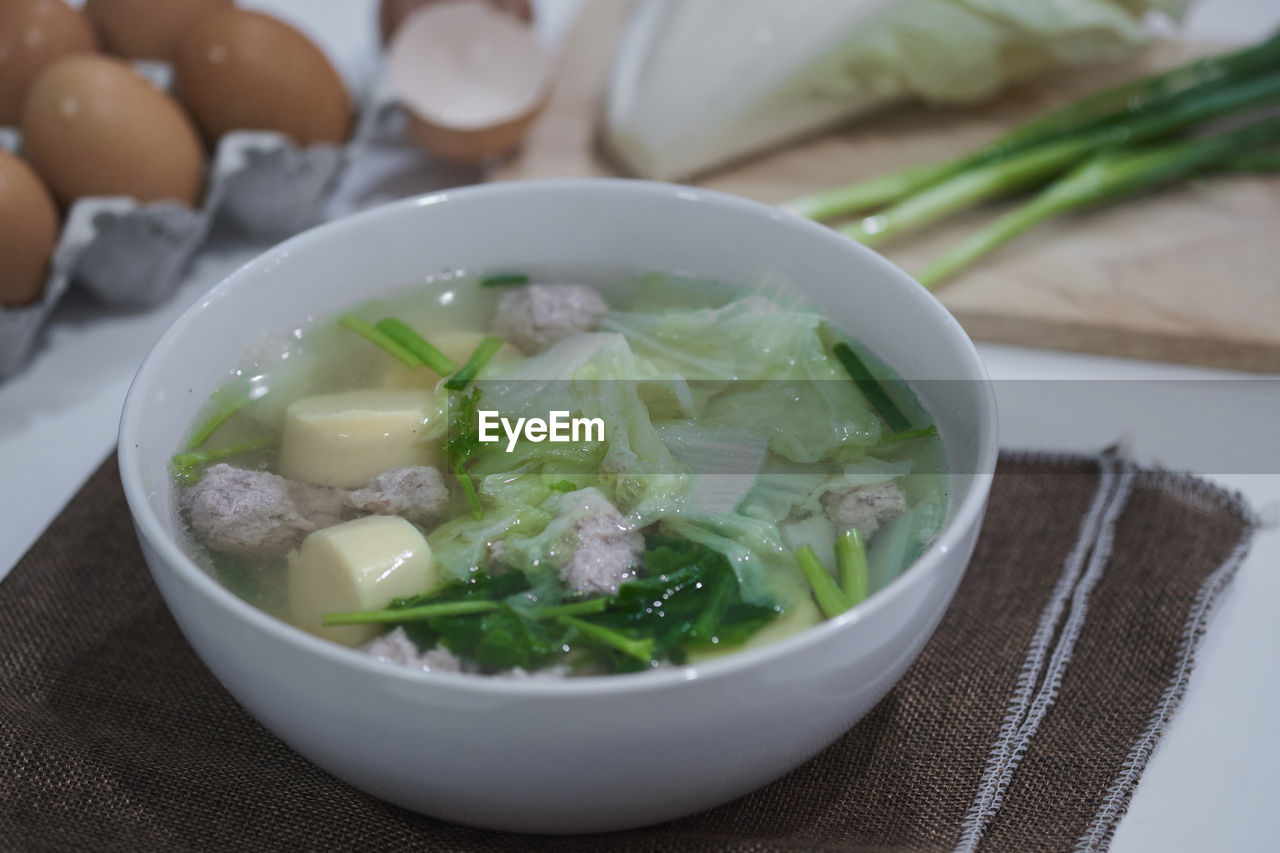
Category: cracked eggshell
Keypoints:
(471, 79)
(391, 13)
(33, 35)
(93, 126)
(242, 70)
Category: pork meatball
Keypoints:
(865, 507)
(606, 552)
(257, 513)
(396, 648)
(417, 494)
(536, 316)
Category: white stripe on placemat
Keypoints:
(1198, 493)
(1025, 711)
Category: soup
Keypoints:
(513, 475)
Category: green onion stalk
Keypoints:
(1108, 176)
(1125, 102)
(1035, 165)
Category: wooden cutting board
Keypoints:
(1188, 274)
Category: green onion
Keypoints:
(1143, 96)
(504, 280)
(871, 388)
(1030, 167)
(874, 192)
(485, 351)
(641, 650)
(211, 424)
(851, 557)
(1108, 176)
(720, 594)
(409, 614)
(1254, 161)
(831, 601)
(423, 351)
(186, 467)
(908, 435)
(378, 338)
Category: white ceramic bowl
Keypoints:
(588, 754)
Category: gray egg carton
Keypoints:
(130, 255)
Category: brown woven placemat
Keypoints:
(1023, 726)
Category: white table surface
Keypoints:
(1212, 783)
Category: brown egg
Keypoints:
(93, 127)
(33, 35)
(28, 232)
(392, 12)
(241, 70)
(146, 29)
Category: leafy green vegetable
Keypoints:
(511, 504)
(492, 634)
(574, 608)
(187, 468)
(701, 93)
(504, 280)
(421, 613)
(639, 649)
(379, 339)
(592, 376)
(784, 364)
(563, 486)
(689, 599)
(871, 388)
(484, 351)
(464, 443)
(1106, 177)
(423, 351)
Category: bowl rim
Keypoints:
(958, 523)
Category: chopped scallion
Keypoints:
(422, 350)
(379, 339)
(908, 435)
(187, 467)
(485, 351)
(871, 388)
(220, 416)
(851, 558)
(504, 280)
(831, 601)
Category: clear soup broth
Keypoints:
(552, 472)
